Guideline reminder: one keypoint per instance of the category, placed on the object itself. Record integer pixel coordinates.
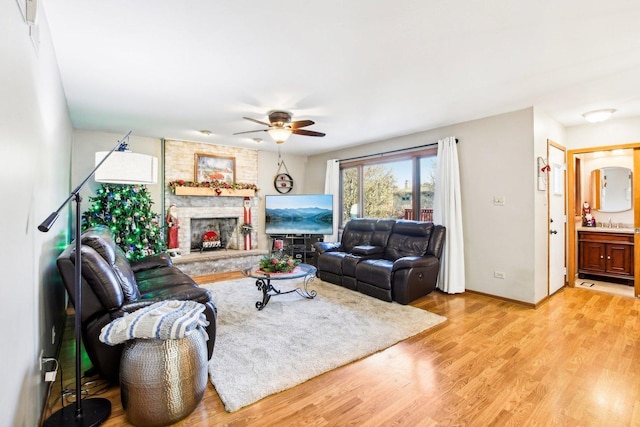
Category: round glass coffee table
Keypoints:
(263, 282)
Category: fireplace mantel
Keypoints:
(204, 191)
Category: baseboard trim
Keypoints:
(513, 301)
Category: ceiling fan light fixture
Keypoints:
(598, 115)
(279, 135)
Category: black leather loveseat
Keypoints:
(393, 260)
(113, 287)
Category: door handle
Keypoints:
(553, 232)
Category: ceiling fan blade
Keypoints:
(301, 123)
(307, 132)
(250, 131)
(256, 121)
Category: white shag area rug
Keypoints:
(293, 339)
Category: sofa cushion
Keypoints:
(382, 232)
(101, 278)
(367, 250)
(376, 272)
(331, 262)
(357, 232)
(125, 276)
(99, 238)
(168, 277)
(409, 238)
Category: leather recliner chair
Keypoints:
(113, 287)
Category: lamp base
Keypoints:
(94, 413)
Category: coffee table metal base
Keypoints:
(268, 290)
(264, 282)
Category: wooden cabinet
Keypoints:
(606, 254)
(299, 246)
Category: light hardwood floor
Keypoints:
(574, 361)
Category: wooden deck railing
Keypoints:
(425, 214)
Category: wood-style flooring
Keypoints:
(574, 361)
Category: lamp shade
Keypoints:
(125, 167)
(279, 135)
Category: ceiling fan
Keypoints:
(280, 126)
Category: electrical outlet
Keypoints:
(53, 335)
(499, 274)
(50, 376)
(498, 200)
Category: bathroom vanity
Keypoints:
(606, 252)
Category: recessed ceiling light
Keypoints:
(598, 115)
(206, 132)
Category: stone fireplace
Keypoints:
(179, 165)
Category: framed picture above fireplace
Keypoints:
(215, 168)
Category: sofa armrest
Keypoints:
(367, 250)
(322, 247)
(150, 262)
(179, 293)
(415, 262)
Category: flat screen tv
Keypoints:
(299, 214)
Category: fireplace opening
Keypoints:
(212, 233)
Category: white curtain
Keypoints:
(447, 211)
(332, 186)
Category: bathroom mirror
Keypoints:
(611, 187)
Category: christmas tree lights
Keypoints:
(126, 210)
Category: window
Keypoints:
(395, 187)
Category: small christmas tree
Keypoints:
(126, 210)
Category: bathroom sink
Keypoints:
(611, 230)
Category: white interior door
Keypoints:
(556, 193)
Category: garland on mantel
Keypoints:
(212, 184)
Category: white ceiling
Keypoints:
(363, 70)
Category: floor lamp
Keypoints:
(94, 411)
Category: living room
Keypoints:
(44, 156)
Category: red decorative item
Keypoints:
(173, 225)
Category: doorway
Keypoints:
(556, 158)
(584, 184)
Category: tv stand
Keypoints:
(299, 246)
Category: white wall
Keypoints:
(611, 132)
(35, 142)
(497, 158)
(267, 170)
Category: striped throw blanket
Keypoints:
(162, 320)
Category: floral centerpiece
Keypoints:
(277, 263)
